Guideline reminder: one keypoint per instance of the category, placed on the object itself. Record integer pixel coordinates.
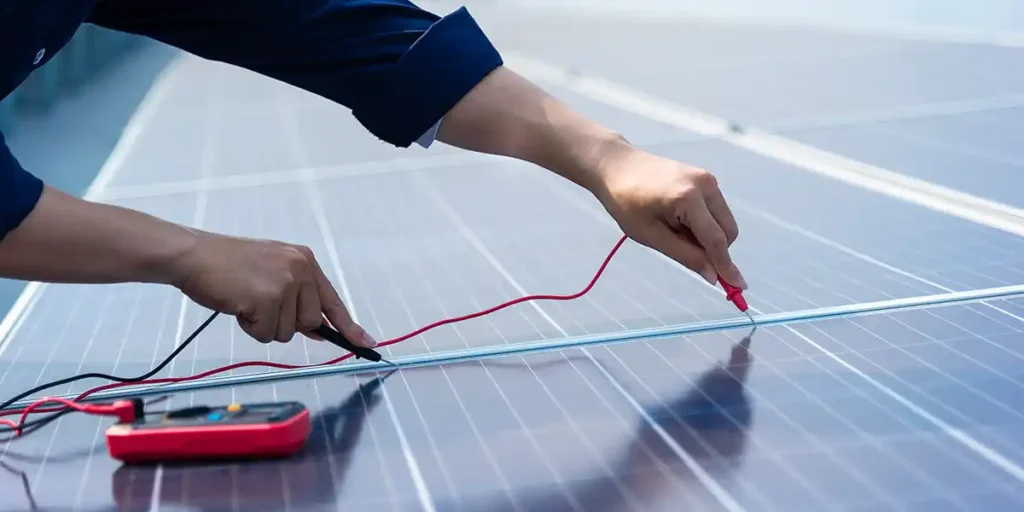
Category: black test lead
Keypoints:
(336, 338)
(735, 295)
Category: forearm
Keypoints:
(66, 239)
(507, 115)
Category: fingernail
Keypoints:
(742, 283)
(709, 274)
(368, 340)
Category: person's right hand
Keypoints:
(274, 289)
(673, 208)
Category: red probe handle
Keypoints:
(734, 295)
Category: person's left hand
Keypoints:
(673, 208)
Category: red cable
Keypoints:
(35, 408)
(122, 409)
(734, 295)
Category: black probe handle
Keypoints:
(336, 338)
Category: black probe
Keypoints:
(336, 338)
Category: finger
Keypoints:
(674, 245)
(712, 239)
(323, 321)
(720, 210)
(257, 327)
(247, 327)
(310, 312)
(336, 312)
(286, 317)
(261, 323)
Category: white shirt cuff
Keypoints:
(428, 138)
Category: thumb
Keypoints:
(357, 335)
(336, 313)
(314, 336)
(251, 327)
(340, 319)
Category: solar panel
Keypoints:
(915, 409)
(951, 152)
(842, 413)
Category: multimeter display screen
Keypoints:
(230, 415)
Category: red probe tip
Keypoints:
(734, 294)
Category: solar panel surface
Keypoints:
(912, 410)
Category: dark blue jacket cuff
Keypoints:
(19, 191)
(438, 70)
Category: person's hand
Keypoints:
(673, 208)
(274, 289)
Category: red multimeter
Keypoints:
(237, 431)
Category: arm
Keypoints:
(401, 69)
(378, 57)
(273, 289)
(673, 208)
(66, 239)
(507, 115)
(46, 235)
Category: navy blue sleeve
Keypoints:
(398, 67)
(19, 191)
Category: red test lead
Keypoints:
(735, 295)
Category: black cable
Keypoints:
(31, 426)
(47, 419)
(114, 378)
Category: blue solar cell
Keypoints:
(991, 174)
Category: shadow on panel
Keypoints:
(710, 422)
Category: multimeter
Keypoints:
(236, 431)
